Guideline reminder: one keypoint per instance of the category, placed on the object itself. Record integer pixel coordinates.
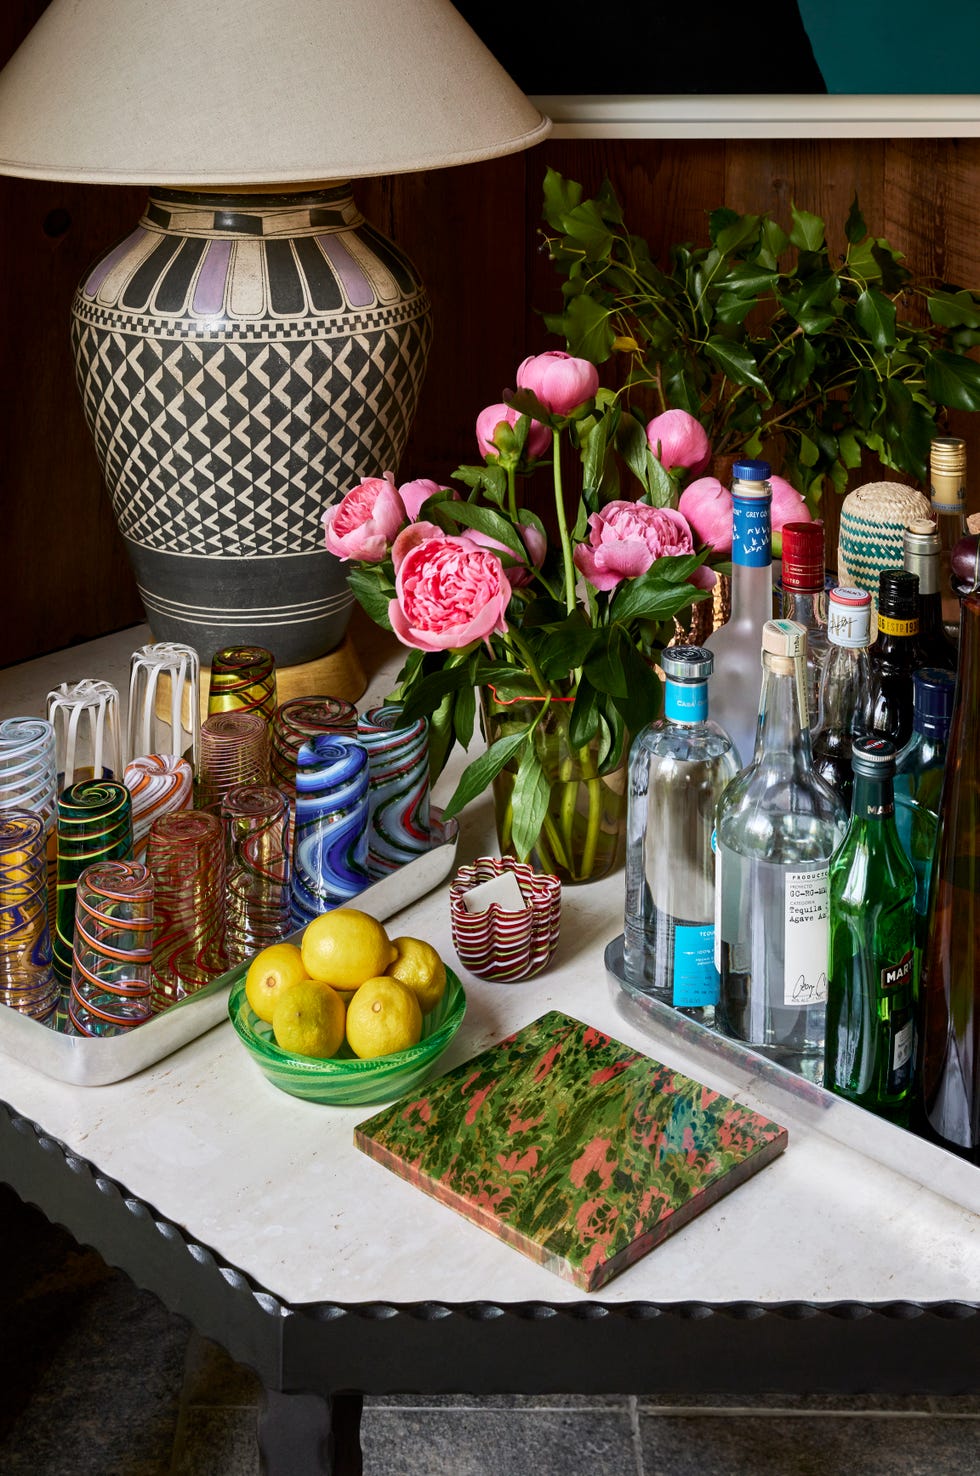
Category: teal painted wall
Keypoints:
(895, 45)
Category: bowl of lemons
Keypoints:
(344, 1015)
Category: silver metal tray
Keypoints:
(82, 1061)
(765, 1085)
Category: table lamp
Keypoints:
(253, 348)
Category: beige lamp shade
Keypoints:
(239, 92)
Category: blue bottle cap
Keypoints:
(933, 691)
(751, 471)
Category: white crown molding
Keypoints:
(754, 116)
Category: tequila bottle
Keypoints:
(778, 825)
(845, 689)
(735, 687)
(895, 655)
(920, 553)
(679, 766)
(947, 494)
(870, 988)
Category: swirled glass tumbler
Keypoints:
(331, 832)
(186, 858)
(27, 980)
(110, 977)
(297, 721)
(29, 781)
(243, 678)
(400, 827)
(85, 718)
(159, 784)
(94, 824)
(256, 821)
(234, 750)
(164, 714)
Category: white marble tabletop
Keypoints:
(853, 1209)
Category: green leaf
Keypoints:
(584, 226)
(560, 196)
(631, 443)
(954, 309)
(583, 725)
(773, 241)
(464, 714)
(735, 361)
(372, 595)
(604, 669)
(854, 227)
(485, 520)
(907, 429)
(490, 479)
(875, 314)
(850, 449)
(893, 274)
(748, 279)
(529, 802)
(742, 231)
(722, 219)
(651, 597)
(952, 379)
(808, 231)
(808, 452)
(480, 774)
(425, 696)
(566, 648)
(589, 330)
(644, 691)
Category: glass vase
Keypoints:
(582, 836)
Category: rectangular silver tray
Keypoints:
(756, 1081)
(81, 1061)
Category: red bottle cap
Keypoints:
(803, 561)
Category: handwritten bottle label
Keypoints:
(806, 936)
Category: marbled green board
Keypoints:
(582, 1153)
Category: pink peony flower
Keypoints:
(678, 440)
(707, 505)
(413, 494)
(364, 523)
(449, 593)
(538, 436)
(560, 382)
(624, 540)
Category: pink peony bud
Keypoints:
(366, 520)
(707, 505)
(538, 437)
(561, 382)
(788, 505)
(678, 440)
(413, 494)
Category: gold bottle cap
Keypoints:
(947, 454)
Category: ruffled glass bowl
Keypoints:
(346, 1080)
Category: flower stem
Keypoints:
(511, 494)
(566, 542)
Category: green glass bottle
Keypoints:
(871, 985)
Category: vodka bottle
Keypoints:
(920, 543)
(735, 687)
(804, 584)
(895, 655)
(871, 985)
(919, 778)
(679, 766)
(845, 689)
(950, 975)
(778, 824)
(947, 493)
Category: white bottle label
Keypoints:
(806, 936)
(717, 850)
(903, 1046)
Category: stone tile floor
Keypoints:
(98, 1379)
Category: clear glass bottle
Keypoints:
(778, 825)
(679, 766)
(735, 686)
(871, 982)
(845, 689)
(895, 655)
(947, 494)
(919, 774)
(950, 972)
(804, 599)
(920, 553)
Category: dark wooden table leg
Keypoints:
(307, 1435)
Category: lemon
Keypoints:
(419, 966)
(383, 1017)
(271, 972)
(345, 947)
(308, 1020)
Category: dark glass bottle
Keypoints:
(921, 557)
(895, 655)
(845, 689)
(950, 975)
(919, 771)
(870, 986)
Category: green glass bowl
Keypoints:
(346, 1080)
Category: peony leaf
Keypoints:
(529, 802)
(486, 521)
(371, 595)
(477, 776)
(583, 725)
(424, 696)
(652, 597)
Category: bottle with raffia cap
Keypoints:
(778, 825)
